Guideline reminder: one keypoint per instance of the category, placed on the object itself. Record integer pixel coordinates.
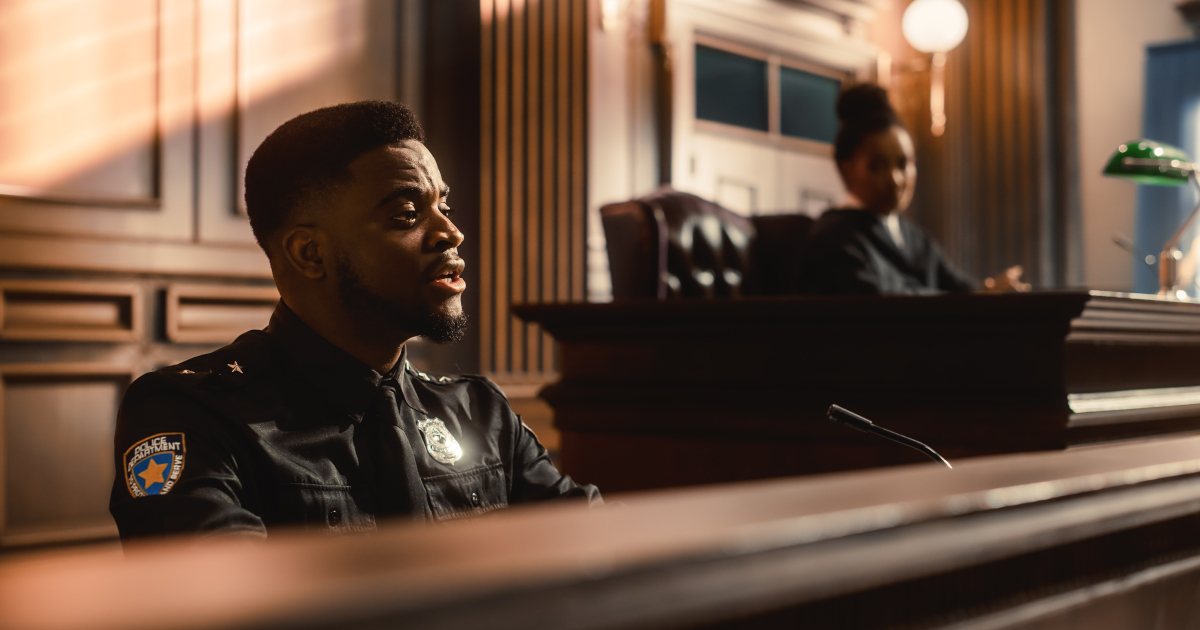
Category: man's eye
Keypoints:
(406, 218)
(446, 210)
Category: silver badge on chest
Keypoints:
(439, 441)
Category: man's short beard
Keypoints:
(357, 298)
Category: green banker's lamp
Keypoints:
(1149, 162)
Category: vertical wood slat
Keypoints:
(487, 268)
(532, 224)
(499, 313)
(562, 168)
(578, 112)
(1027, 160)
(533, 227)
(1004, 83)
(548, 287)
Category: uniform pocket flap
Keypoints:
(468, 493)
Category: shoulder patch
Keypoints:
(153, 465)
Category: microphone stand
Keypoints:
(844, 416)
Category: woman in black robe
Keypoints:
(866, 248)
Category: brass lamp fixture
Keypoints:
(1156, 164)
(936, 27)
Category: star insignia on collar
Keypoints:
(186, 372)
(236, 368)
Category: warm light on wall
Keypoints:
(935, 26)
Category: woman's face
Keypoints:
(882, 172)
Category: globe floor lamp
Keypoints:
(1149, 162)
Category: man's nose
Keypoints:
(899, 176)
(443, 234)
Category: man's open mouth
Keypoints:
(449, 275)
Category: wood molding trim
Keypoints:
(50, 372)
(216, 314)
(49, 310)
(70, 254)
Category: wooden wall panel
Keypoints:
(59, 143)
(50, 310)
(95, 103)
(216, 314)
(532, 174)
(56, 427)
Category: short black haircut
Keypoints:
(311, 152)
(862, 110)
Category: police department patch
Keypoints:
(153, 465)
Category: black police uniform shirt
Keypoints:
(850, 251)
(284, 428)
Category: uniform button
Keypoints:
(474, 499)
(335, 517)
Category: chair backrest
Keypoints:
(637, 250)
(779, 251)
(672, 244)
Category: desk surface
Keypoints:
(824, 547)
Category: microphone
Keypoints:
(845, 417)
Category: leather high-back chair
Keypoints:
(671, 244)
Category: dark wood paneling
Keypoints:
(655, 394)
(55, 423)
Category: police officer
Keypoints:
(320, 419)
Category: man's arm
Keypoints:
(534, 476)
(177, 472)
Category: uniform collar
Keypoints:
(347, 383)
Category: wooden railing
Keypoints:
(1080, 539)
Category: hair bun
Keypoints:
(864, 103)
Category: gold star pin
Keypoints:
(236, 368)
(186, 372)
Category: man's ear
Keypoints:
(305, 251)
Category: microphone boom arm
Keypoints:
(844, 416)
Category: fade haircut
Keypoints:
(311, 153)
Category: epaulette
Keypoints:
(479, 378)
(439, 379)
(235, 365)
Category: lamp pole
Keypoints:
(1168, 261)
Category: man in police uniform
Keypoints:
(320, 419)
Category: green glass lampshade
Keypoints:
(1150, 162)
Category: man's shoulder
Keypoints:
(228, 369)
(448, 382)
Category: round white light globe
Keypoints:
(933, 26)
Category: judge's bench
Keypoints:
(666, 393)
